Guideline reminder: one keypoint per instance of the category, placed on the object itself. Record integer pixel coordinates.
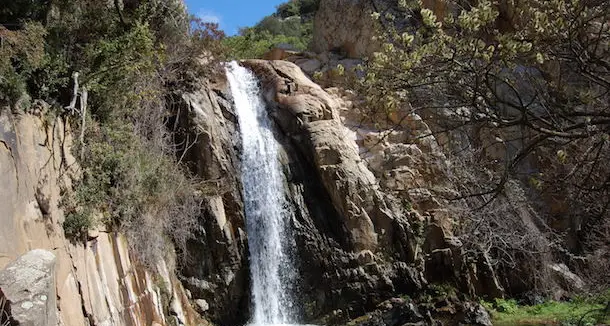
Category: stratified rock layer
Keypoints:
(94, 281)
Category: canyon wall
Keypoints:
(93, 282)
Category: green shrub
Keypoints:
(77, 224)
(131, 179)
(21, 53)
(297, 8)
(129, 60)
(253, 43)
(291, 24)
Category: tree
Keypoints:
(531, 77)
(546, 71)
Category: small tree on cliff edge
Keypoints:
(532, 75)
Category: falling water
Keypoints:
(267, 211)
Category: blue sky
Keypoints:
(232, 14)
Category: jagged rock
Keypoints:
(566, 278)
(220, 277)
(95, 281)
(393, 312)
(29, 284)
(202, 305)
(343, 219)
(310, 114)
(474, 314)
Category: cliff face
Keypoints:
(95, 282)
(358, 240)
(358, 243)
(389, 181)
(217, 273)
(366, 219)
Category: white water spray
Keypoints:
(267, 211)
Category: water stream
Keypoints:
(268, 213)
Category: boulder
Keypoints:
(474, 314)
(309, 66)
(202, 305)
(565, 277)
(29, 285)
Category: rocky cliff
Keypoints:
(358, 242)
(374, 231)
(49, 280)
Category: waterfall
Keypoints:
(267, 211)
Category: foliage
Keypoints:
(576, 312)
(435, 292)
(301, 8)
(77, 224)
(130, 59)
(135, 190)
(291, 25)
(114, 66)
(14, 12)
(545, 72)
(252, 44)
(527, 77)
(21, 52)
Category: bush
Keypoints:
(137, 190)
(252, 44)
(297, 8)
(129, 61)
(21, 53)
(77, 225)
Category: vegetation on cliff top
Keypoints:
(110, 70)
(291, 25)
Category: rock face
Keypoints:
(345, 227)
(95, 282)
(368, 225)
(29, 285)
(218, 282)
(348, 28)
(350, 32)
(400, 312)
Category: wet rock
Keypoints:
(206, 120)
(393, 312)
(344, 224)
(474, 314)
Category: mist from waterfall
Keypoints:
(268, 213)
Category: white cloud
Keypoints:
(209, 16)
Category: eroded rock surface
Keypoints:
(216, 274)
(29, 285)
(93, 282)
(351, 32)
(346, 228)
